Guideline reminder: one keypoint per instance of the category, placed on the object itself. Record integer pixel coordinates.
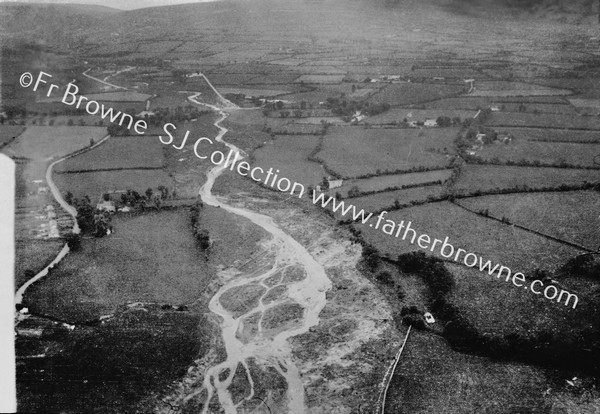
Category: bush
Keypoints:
(414, 320)
(73, 241)
(385, 277)
(371, 257)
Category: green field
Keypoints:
(566, 215)
(517, 119)
(433, 378)
(520, 92)
(290, 154)
(124, 96)
(34, 255)
(134, 264)
(9, 132)
(40, 142)
(327, 79)
(118, 153)
(382, 182)
(116, 366)
(543, 108)
(411, 93)
(521, 315)
(251, 92)
(548, 153)
(511, 86)
(558, 135)
(512, 247)
(356, 151)
(495, 177)
(385, 200)
(542, 103)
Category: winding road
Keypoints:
(68, 208)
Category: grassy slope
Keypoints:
(354, 151)
(565, 215)
(150, 258)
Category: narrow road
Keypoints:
(101, 81)
(389, 375)
(68, 208)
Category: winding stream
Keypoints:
(266, 344)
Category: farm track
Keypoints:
(101, 81)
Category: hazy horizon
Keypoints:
(115, 4)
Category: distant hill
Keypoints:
(70, 6)
(115, 5)
(576, 11)
(77, 26)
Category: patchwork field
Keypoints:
(382, 182)
(385, 200)
(40, 142)
(289, 154)
(410, 93)
(454, 383)
(252, 92)
(543, 103)
(581, 155)
(512, 86)
(517, 249)
(520, 314)
(125, 96)
(495, 177)
(566, 215)
(538, 108)
(521, 92)
(118, 153)
(332, 79)
(356, 151)
(135, 264)
(557, 135)
(517, 119)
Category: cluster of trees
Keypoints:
(90, 220)
(438, 278)
(313, 157)
(343, 107)
(581, 266)
(14, 111)
(474, 159)
(201, 234)
(149, 199)
(580, 347)
(354, 191)
(413, 316)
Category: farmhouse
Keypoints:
(430, 123)
(357, 117)
(333, 183)
(106, 205)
